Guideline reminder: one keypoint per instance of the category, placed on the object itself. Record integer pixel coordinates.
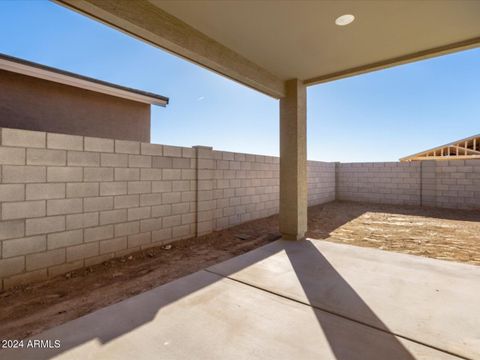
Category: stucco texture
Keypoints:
(36, 104)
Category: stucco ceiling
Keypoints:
(299, 39)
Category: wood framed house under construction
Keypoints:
(468, 148)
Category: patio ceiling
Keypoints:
(264, 43)
(299, 39)
(279, 47)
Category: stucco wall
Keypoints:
(36, 104)
(72, 201)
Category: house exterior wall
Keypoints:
(35, 104)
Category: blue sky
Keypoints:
(379, 116)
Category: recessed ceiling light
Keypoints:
(344, 20)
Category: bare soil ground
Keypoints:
(443, 234)
(437, 233)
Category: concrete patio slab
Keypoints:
(205, 316)
(264, 311)
(428, 301)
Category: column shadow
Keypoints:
(320, 281)
(116, 320)
(348, 338)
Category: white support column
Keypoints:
(293, 161)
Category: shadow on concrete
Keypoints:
(313, 270)
(310, 267)
(124, 317)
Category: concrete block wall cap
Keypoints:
(202, 147)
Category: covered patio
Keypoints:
(281, 48)
(307, 299)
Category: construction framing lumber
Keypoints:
(468, 148)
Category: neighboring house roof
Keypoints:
(468, 148)
(13, 64)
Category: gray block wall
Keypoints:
(71, 201)
(453, 184)
(247, 188)
(388, 183)
(457, 184)
(321, 181)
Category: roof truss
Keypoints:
(468, 148)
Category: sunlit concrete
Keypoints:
(264, 311)
(431, 301)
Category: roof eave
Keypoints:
(24, 67)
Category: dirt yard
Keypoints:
(442, 234)
(437, 233)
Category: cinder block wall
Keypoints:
(388, 183)
(457, 184)
(71, 201)
(445, 184)
(321, 182)
(247, 188)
